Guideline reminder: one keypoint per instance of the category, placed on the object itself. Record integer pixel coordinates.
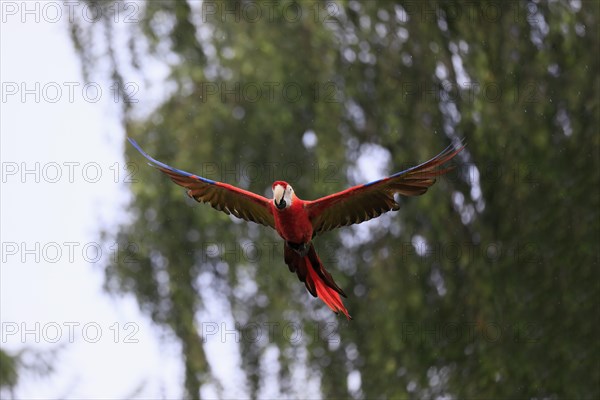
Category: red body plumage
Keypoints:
(293, 223)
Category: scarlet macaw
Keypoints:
(298, 221)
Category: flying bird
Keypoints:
(299, 221)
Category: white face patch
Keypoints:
(288, 195)
(282, 198)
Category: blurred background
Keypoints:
(114, 284)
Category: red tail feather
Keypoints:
(325, 293)
(318, 281)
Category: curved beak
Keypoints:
(278, 193)
(281, 205)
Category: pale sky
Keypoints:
(51, 272)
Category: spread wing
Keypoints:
(221, 196)
(363, 202)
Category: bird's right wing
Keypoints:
(221, 196)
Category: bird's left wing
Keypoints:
(363, 202)
(221, 196)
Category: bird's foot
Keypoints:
(300, 248)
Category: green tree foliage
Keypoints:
(8, 371)
(485, 287)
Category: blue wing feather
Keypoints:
(446, 150)
(157, 164)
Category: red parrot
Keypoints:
(298, 221)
